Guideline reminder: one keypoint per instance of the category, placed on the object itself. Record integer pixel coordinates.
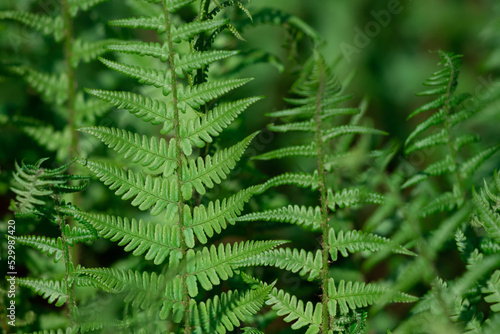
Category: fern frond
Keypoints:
(152, 153)
(150, 110)
(308, 151)
(208, 266)
(308, 217)
(444, 202)
(467, 168)
(53, 291)
(188, 30)
(350, 197)
(358, 241)
(151, 49)
(442, 101)
(203, 173)
(148, 76)
(53, 88)
(44, 244)
(349, 129)
(417, 178)
(196, 96)
(142, 289)
(251, 330)
(150, 23)
(327, 105)
(440, 138)
(441, 167)
(87, 110)
(197, 60)
(285, 304)
(174, 5)
(226, 312)
(83, 5)
(464, 140)
(200, 130)
(30, 185)
(148, 192)
(294, 260)
(306, 126)
(215, 216)
(435, 119)
(493, 289)
(78, 234)
(50, 138)
(157, 241)
(351, 296)
(303, 180)
(42, 23)
(489, 219)
(85, 51)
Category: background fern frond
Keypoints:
(309, 217)
(44, 244)
(42, 23)
(53, 291)
(350, 296)
(358, 241)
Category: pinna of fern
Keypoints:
(314, 111)
(39, 195)
(171, 174)
(59, 89)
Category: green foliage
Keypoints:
(319, 95)
(171, 178)
(198, 233)
(39, 197)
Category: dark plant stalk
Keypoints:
(324, 200)
(70, 72)
(68, 40)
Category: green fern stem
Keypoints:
(68, 268)
(324, 202)
(179, 159)
(68, 40)
(70, 72)
(451, 149)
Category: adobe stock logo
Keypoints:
(363, 37)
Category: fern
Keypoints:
(60, 88)
(171, 176)
(319, 95)
(39, 192)
(448, 112)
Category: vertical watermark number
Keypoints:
(11, 272)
